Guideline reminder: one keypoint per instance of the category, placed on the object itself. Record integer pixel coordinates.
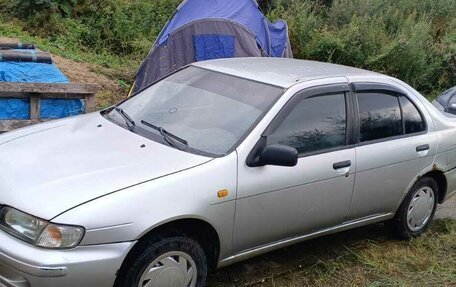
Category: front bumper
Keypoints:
(23, 265)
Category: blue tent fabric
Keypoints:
(244, 12)
(278, 33)
(210, 47)
(15, 109)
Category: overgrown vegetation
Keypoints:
(414, 40)
(366, 256)
(120, 27)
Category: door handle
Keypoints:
(342, 164)
(422, 147)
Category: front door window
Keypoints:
(315, 124)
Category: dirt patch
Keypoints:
(110, 91)
(8, 40)
(82, 73)
(447, 210)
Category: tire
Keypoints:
(405, 226)
(173, 251)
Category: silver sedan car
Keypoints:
(220, 161)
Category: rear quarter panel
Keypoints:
(445, 129)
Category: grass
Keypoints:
(366, 256)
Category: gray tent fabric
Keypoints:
(203, 30)
(180, 48)
(287, 52)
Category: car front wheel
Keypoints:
(417, 210)
(168, 262)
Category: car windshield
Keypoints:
(209, 110)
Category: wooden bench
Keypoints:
(37, 91)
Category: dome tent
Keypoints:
(212, 29)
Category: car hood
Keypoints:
(52, 167)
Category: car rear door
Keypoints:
(275, 203)
(394, 146)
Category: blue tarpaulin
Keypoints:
(29, 72)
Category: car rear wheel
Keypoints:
(417, 210)
(169, 262)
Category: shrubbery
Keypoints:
(414, 40)
(29, 8)
(120, 27)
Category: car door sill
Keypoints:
(290, 241)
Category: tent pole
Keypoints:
(131, 89)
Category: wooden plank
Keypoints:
(35, 107)
(52, 91)
(20, 95)
(49, 89)
(90, 104)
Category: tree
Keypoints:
(265, 5)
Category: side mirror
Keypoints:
(280, 155)
(452, 108)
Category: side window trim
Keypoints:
(343, 88)
(372, 86)
(402, 113)
(423, 118)
(361, 87)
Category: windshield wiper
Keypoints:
(128, 120)
(169, 137)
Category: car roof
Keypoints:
(283, 72)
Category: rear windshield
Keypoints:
(445, 97)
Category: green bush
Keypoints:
(120, 27)
(28, 8)
(413, 40)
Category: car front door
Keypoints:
(276, 203)
(395, 145)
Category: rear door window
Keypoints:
(387, 114)
(379, 115)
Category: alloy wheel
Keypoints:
(420, 208)
(172, 269)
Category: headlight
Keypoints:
(39, 232)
